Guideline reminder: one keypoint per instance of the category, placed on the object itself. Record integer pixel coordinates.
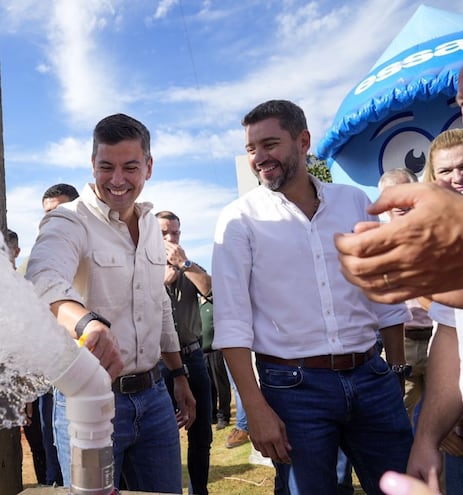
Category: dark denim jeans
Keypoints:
(46, 421)
(361, 411)
(146, 441)
(200, 432)
(453, 474)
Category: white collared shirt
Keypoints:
(84, 253)
(276, 280)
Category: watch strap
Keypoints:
(187, 264)
(401, 370)
(86, 319)
(182, 371)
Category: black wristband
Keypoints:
(183, 371)
(86, 319)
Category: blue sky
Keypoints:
(189, 69)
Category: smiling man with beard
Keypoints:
(278, 291)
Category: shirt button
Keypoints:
(138, 318)
(141, 351)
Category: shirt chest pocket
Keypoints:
(156, 267)
(103, 259)
(109, 277)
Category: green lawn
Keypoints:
(231, 473)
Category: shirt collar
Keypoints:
(318, 184)
(90, 197)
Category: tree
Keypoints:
(319, 168)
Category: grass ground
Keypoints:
(230, 471)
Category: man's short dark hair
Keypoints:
(167, 215)
(120, 127)
(290, 116)
(12, 240)
(61, 190)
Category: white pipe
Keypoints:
(89, 401)
(89, 408)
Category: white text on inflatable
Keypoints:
(410, 61)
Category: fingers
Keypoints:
(186, 415)
(364, 226)
(433, 481)
(401, 484)
(399, 196)
(277, 447)
(104, 347)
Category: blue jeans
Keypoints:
(146, 441)
(344, 475)
(360, 410)
(241, 419)
(453, 474)
(200, 432)
(46, 423)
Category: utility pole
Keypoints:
(10, 439)
(2, 169)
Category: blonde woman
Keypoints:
(444, 166)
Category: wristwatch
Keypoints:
(183, 371)
(401, 370)
(187, 264)
(86, 319)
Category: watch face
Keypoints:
(187, 264)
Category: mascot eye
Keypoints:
(407, 148)
(415, 163)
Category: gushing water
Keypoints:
(33, 347)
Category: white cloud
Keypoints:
(43, 68)
(173, 143)
(23, 214)
(69, 152)
(23, 15)
(315, 58)
(163, 8)
(84, 72)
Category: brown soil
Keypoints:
(29, 479)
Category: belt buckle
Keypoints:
(122, 379)
(347, 368)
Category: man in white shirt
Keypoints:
(99, 262)
(278, 291)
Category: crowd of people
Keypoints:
(301, 339)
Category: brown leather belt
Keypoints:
(131, 384)
(335, 362)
